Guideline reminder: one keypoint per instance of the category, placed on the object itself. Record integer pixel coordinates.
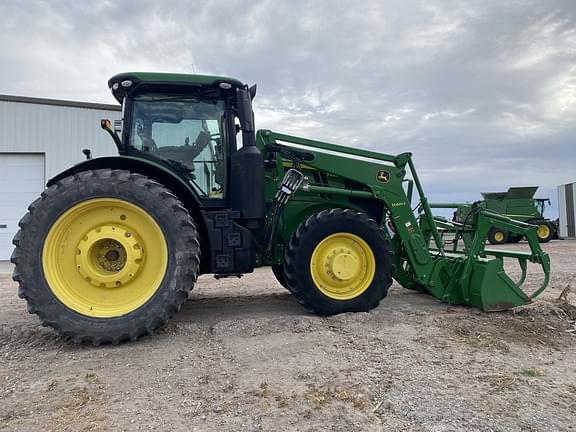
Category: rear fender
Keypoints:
(185, 193)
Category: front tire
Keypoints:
(278, 271)
(338, 261)
(106, 256)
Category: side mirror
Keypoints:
(245, 116)
(252, 91)
(244, 102)
(107, 126)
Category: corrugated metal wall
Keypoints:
(567, 210)
(61, 132)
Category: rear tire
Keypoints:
(106, 256)
(497, 236)
(338, 261)
(546, 230)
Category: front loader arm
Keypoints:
(474, 276)
(380, 178)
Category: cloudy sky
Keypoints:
(482, 92)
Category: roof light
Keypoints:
(126, 83)
(115, 86)
(225, 86)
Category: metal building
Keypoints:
(38, 139)
(567, 210)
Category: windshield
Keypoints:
(187, 133)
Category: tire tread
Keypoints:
(293, 272)
(186, 264)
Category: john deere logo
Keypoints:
(383, 176)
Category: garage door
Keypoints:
(21, 182)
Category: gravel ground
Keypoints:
(243, 356)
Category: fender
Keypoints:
(156, 171)
(148, 168)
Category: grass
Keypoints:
(530, 372)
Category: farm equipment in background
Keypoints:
(517, 203)
(111, 249)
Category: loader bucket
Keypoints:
(482, 280)
(489, 286)
(491, 289)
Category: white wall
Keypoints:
(567, 210)
(61, 132)
(21, 182)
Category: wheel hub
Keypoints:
(543, 231)
(113, 255)
(344, 265)
(109, 256)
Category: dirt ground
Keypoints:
(242, 355)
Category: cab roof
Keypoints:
(161, 79)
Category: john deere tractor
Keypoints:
(517, 203)
(111, 249)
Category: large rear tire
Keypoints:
(497, 236)
(106, 256)
(338, 261)
(546, 230)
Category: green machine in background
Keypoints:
(112, 247)
(517, 203)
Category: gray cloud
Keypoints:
(483, 93)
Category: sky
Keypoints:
(483, 93)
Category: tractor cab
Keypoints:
(187, 123)
(184, 121)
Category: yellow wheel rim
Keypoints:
(543, 231)
(104, 257)
(342, 266)
(499, 236)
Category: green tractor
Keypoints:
(517, 203)
(111, 249)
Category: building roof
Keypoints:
(59, 102)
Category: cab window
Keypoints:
(187, 133)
